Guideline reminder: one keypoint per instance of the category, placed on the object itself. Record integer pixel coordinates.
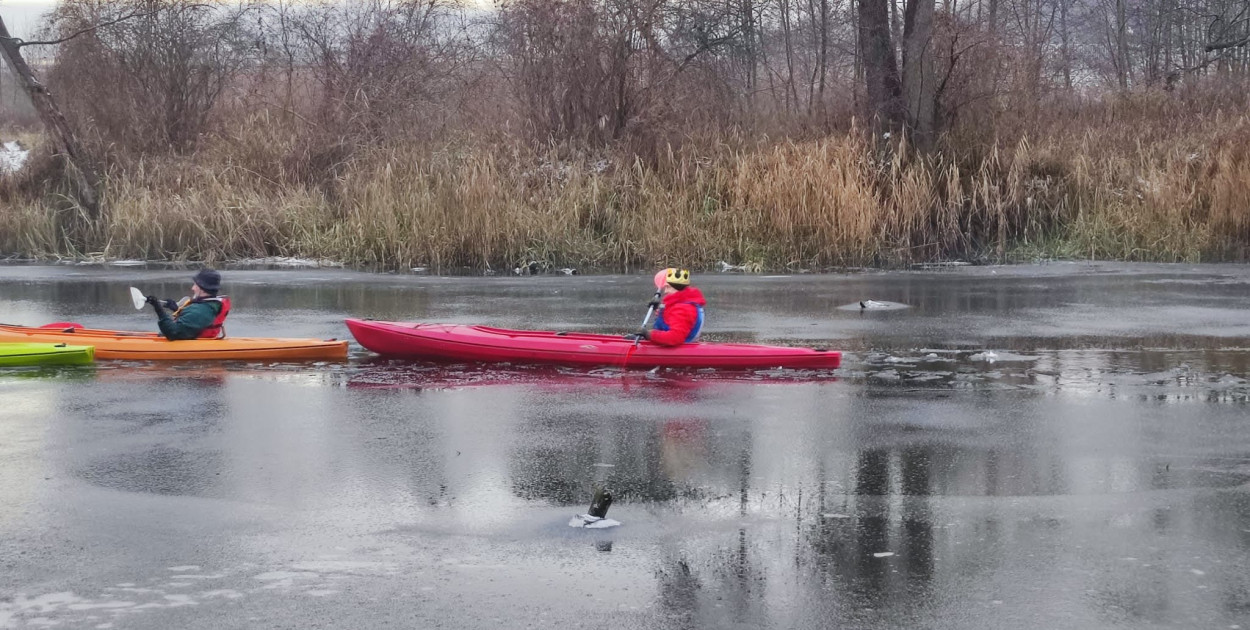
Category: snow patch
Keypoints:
(12, 157)
(287, 262)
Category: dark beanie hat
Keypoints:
(208, 280)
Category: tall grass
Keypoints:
(1142, 179)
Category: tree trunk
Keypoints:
(896, 24)
(1123, 68)
(919, 80)
(84, 177)
(824, 50)
(749, 38)
(792, 97)
(881, 82)
(1065, 44)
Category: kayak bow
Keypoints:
(16, 354)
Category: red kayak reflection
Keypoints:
(387, 374)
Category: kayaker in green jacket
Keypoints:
(201, 316)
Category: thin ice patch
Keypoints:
(273, 576)
(989, 356)
(343, 566)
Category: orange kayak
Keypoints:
(145, 346)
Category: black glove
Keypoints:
(170, 304)
(654, 303)
(156, 304)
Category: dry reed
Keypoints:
(1126, 183)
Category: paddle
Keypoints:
(137, 297)
(660, 277)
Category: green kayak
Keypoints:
(14, 354)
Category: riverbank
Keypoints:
(1139, 179)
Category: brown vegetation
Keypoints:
(615, 133)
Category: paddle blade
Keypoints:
(660, 277)
(137, 297)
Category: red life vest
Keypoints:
(215, 330)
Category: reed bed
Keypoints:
(1131, 181)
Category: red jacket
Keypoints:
(680, 314)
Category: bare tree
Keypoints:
(883, 90)
(78, 165)
(169, 59)
(920, 82)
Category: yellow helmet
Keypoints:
(678, 277)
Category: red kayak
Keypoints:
(452, 342)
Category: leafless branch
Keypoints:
(1212, 47)
(52, 42)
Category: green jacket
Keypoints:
(191, 320)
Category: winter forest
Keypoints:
(777, 134)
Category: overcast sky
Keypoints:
(22, 16)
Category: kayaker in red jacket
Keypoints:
(680, 319)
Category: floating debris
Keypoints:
(989, 356)
(883, 554)
(597, 516)
(874, 305)
(586, 521)
(568, 271)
